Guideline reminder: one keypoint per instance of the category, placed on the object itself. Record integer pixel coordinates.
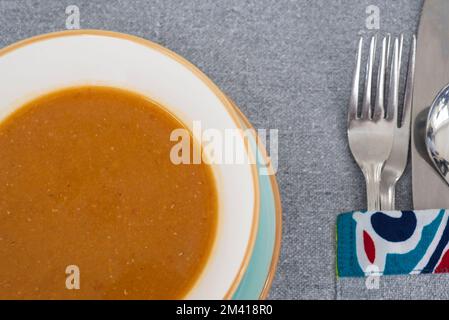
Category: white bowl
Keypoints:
(49, 62)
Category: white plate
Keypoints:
(45, 63)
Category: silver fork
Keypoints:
(370, 135)
(395, 165)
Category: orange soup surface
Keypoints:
(86, 184)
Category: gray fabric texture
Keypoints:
(288, 66)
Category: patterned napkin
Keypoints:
(392, 242)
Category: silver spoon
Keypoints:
(437, 133)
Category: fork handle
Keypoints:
(372, 174)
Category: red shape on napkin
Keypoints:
(443, 267)
(370, 249)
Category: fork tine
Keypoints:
(393, 90)
(366, 106)
(387, 61)
(352, 113)
(406, 113)
(401, 45)
(379, 110)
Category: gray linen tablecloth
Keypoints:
(288, 65)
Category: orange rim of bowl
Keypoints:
(208, 82)
(278, 210)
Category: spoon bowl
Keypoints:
(437, 133)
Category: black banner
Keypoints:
(270, 309)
